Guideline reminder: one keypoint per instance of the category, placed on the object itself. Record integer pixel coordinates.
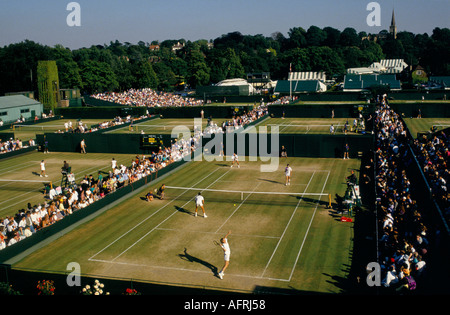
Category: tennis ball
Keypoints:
(235, 205)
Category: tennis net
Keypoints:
(308, 128)
(38, 128)
(275, 198)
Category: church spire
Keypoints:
(393, 27)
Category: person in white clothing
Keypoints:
(235, 159)
(227, 252)
(287, 173)
(43, 169)
(200, 202)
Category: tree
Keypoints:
(145, 75)
(18, 66)
(97, 77)
(198, 71)
(166, 77)
(333, 36)
(68, 70)
(124, 72)
(315, 36)
(349, 37)
(297, 37)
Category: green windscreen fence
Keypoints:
(296, 145)
(246, 143)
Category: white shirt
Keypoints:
(226, 246)
(42, 166)
(199, 200)
(288, 171)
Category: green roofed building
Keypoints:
(14, 107)
(299, 86)
(360, 82)
(443, 81)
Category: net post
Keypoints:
(242, 195)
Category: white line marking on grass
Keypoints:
(216, 233)
(154, 214)
(284, 127)
(15, 166)
(145, 235)
(237, 208)
(285, 229)
(165, 205)
(84, 171)
(307, 231)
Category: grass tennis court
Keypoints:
(416, 125)
(162, 126)
(285, 239)
(21, 184)
(27, 132)
(307, 125)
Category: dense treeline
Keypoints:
(120, 66)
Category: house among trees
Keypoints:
(153, 47)
(177, 46)
(419, 75)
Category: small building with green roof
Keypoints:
(13, 107)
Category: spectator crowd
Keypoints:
(14, 145)
(63, 201)
(147, 97)
(240, 121)
(433, 156)
(404, 233)
(81, 127)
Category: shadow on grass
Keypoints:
(187, 257)
(182, 210)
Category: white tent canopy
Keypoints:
(237, 82)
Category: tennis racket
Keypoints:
(216, 243)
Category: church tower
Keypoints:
(393, 27)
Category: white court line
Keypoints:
(215, 233)
(307, 231)
(285, 126)
(247, 191)
(236, 209)
(285, 229)
(15, 165)
(176, 211)
(165, 205)
(35, 190)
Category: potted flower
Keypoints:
(46, 287)
(95, 289)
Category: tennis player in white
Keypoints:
(235, 160)
(200, 202)
(43, 169)
(287, 172)
(227, 252)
